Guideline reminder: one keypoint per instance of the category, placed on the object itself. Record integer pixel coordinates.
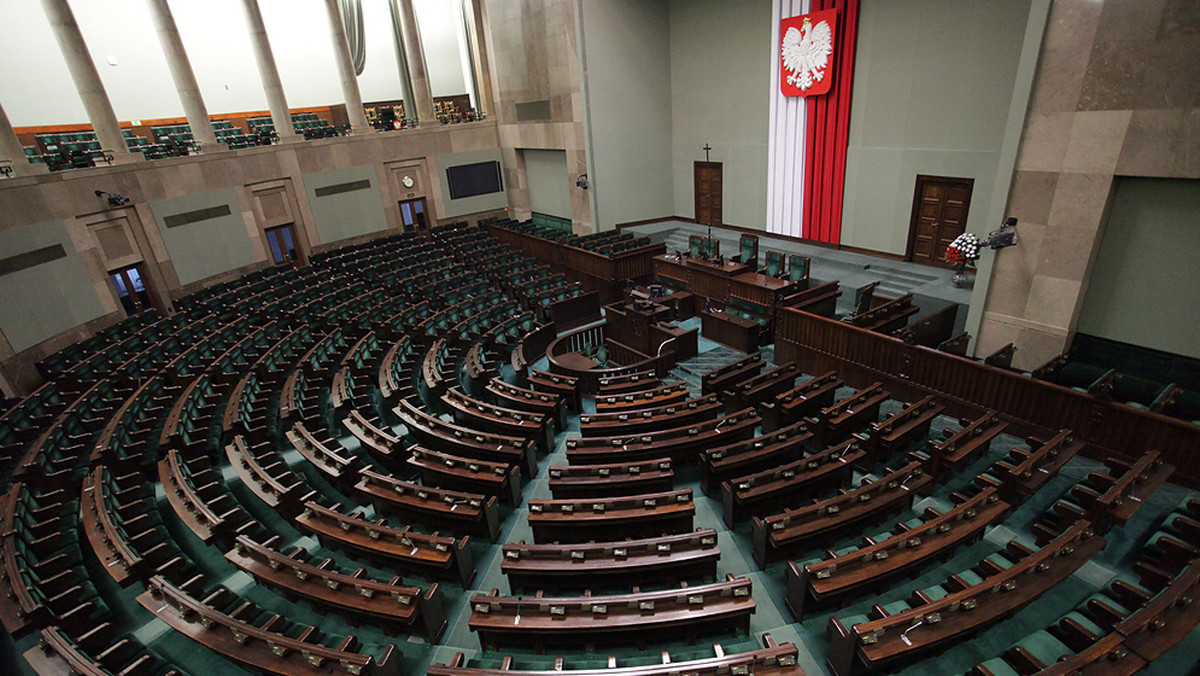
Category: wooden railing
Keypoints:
(968, 387)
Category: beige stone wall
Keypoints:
(534, 56)
(1117, 93)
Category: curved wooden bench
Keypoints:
(432, 555)
(436, 507)
(823, 582)
(471, 412)
(510, 396)
(661, 396)
(463, 441)
(621, 563)
(680, 444)
(795, 528)
(883, 643)
(720, 606)
(390, 603)
(611, 479)
(789, 483)
(744, 457)
(259, 647)
(602, 519)
(800, 402)
(466, 474)
(772, 660)
(652, 419)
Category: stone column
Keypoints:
(12, 150)
(272, 86)
(341, 54)
(414, 54)
(181, 73)
(476, 34)
(87, 79)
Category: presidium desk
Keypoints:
(728, 284)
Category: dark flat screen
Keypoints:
(469, 180)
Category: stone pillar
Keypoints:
(414, 54)
(341, 54)
(181, 73)
(476, 35)
(12, 150)
(272, 86)
(87, 79)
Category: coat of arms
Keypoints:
(806, 53)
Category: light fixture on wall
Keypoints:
(114, 199)
(582, 181)
(1004, 236)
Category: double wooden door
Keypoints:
(940, 206)
(708, 192)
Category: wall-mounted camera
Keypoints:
(114, 199)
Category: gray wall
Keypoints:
(42, 301)
(549, 183)
(209, 247)
(720, 74)
(627, 61)
(347, 214)
(469, 205)
(1144, 284)
(932, 84)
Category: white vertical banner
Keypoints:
(785, 159)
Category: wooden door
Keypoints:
(708, 192)
(939, 215)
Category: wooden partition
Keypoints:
(564, 358)
(969, 387)
(595, 271)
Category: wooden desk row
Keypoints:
(621, 618)
(615, 564)
(611, 479)
(610, 518)
(475, 414)
(876, 563)
(466, 442)
(435, 507)
(724, 378)
(797, 528)
(258, 646)
(550, 405)
(652, 418)
(789, 483)
(659, 396)
(680, 444)
(771, 660)
(884, 642)
(724, 463)
(390, 603)
(444, 470)
(431, 555)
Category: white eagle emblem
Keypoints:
(806, 53)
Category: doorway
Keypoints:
(939, 215)
(130, 284)
(412, 215)
(708, 192)
(282, 243)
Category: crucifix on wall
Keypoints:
(707, 185)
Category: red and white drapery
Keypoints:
(809, 136)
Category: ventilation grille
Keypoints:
(533, 110)
(189, 217)
(342, 187)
